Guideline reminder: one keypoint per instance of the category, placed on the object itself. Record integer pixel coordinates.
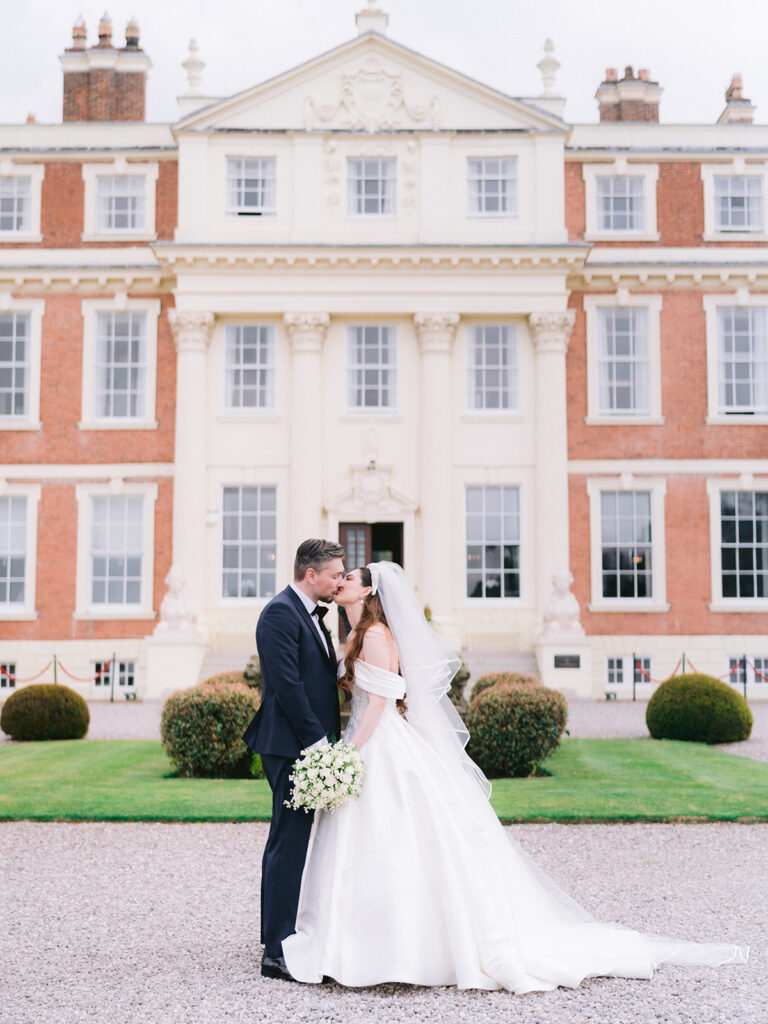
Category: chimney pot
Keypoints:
(78, 34)
(644, 75)
(105, 31)
(132, 34)
(611, 75)
(629, 74)
(31, 118)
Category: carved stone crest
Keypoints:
(371, 99)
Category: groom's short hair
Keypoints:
(313, 554)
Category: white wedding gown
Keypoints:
(417, 882)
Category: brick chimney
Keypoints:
(104, 83)
(738, 109)
(628, 98)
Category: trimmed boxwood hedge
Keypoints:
(45, 711)
(513, 727)
(698, 708)
(515, 678)
(202, 728)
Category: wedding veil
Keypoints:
(427, 666)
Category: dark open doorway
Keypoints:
(369, 542)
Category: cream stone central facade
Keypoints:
(423, 267)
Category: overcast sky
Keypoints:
(692, 47)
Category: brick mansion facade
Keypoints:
(376, 300)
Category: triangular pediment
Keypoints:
(371, 84)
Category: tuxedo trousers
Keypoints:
(284, 855)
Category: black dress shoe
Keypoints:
(275, 967)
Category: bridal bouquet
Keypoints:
(327, 778)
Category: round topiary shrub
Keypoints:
(514, 727)
(225, 679)
(514, 678)
(202, 728)
(45, 711)
(698, 708)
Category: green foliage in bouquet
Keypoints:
(202, 727)
(45, 711)
(513, 678)
(513, 727)
(698, 708)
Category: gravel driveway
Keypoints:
(147, 923)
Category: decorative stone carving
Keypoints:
(561, 615)
(371, 99)
(306, 331)
(436, 331)
(191, 331)
(177, 617)
(551, 332)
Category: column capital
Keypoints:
(551, 332)
(436, 331)
(191, 330)
(306, 331)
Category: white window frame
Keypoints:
(99, 686)
(711, 304)
(35, 308)
(256, 600)
(91, 308)
(514, 178)
(352, 210)
(620, 169)
(266, 209)
(627, 671)
(390, 368)
(736, 168)
(513, 370)
(270, 368)
(622, 300)
(494, 602)
(115, 488)
(715, 486)
(117, 168)
(26, 611)
(657, 486)
(35, 173)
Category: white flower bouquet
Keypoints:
(326, 778)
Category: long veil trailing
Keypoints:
(427, 666)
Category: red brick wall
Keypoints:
(689, 587)
(57, 571)
(62, 205)
(60, 440)
(685, 433)
(103, 94)
(575, 212)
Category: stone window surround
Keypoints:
(119, 166)
(657, 486)
(711, 304)
(25, 612)
(36, 173)
(620, 168)
(35, 308)
(619, 299)
(118, 304)
(737, 167)
(715, 485)
(84, 610)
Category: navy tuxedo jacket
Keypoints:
(299, 695)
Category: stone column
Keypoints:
(306, 333)
(436, 333)
(550, 333)
(192, 334)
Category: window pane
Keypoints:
(248, 542)
(625, 529)
(744, 544)
(116, 549)
(493, 542)
(371, 367)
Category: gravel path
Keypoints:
(151, 923)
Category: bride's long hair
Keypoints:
(372, 614)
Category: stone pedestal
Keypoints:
(174, 662)
(565, 664)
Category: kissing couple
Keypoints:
(416, 880)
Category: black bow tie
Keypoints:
(320, 612)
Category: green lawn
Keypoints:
(592, 780)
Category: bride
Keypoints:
(416, 881)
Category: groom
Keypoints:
(299, 709)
